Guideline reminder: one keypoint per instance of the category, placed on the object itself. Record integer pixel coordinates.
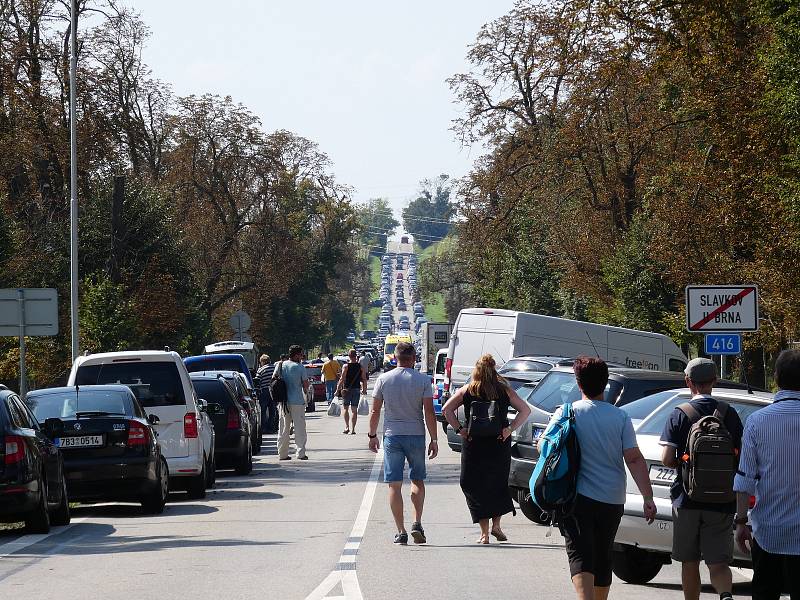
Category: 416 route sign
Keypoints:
(723, 344)
(732, 308)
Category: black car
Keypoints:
(559, 386)
(232, 443)
(110, 447)
(248, 399)
(32, 484)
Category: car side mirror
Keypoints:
(53, 427)
(153, 419)
(202, 405)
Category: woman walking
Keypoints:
(486, 448)
(352, 384)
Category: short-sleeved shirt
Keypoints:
(604, 432)
(676, 435)
(294, 374)
(331, 370)
(402, 391)
(364, 361)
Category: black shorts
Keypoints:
(589, 535)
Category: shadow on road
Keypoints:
(175, 507)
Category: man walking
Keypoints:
(408, 398)
(770, 470)
(293, 413)
(607, 444)
(702, 530)
(330, 375)
(365, 362)
(269, 410)
(352, 384)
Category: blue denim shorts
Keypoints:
(399, 448)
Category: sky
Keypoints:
(365, 80)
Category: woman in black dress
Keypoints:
(486, 447)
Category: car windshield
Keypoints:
(558, 387)
(212, 391)
(313, 371)
(212, 363)
(64, 405)
(153, 383)
(440, 362)
(639, 409)
(389, 349)
(521, 365)
(654, 424)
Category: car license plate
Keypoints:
(661, 474)
(537, 432)
(80, 441)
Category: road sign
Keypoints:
(240, 321)
(723, 343)
(35, 309)
(732, 308)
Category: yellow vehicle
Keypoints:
(389, 360)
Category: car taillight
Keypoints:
(190, 425)
(137, 434)
(15, 449)
(233, 418)
(448, 365)
(752, 501)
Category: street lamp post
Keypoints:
(73, 178)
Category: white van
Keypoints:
(506, 334)
(161, 384)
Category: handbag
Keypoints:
(363, 406)
(335, 409)
(277, 387)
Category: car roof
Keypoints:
(71, 388)
(721, 393)
(540, 357)
(216, 355)
(529, 376)
(142, 355)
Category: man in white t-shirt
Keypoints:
(408, 398)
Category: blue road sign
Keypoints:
(723, 343)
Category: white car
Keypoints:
(162, 385)
(640, 550)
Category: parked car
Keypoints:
(233, 446)
(316, 387)
(161, 383)
(110, 448)
(559, 386)
(641, 550)
(219, 362)
(248, 398)
(33, 487)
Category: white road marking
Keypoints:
(345, 572)
(29, 540)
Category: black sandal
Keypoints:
(346, 432)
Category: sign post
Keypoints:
(27, 312)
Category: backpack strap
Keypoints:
(690, 411)
(721, 411)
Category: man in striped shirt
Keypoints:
(769, 469)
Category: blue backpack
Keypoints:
(554, 481)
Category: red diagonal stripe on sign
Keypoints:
(722, 308)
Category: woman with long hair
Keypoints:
(486, 448)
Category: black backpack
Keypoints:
(485, 418)
(710, 462)
(277, 387)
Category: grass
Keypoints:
(434, 308)
(369, 315)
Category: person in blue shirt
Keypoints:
(293, 413)
(607, 443)
(769, 469)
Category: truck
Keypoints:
(433, 337)
(507, 334)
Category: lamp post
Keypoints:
(73, 178)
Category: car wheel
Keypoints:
(245, 464)
(197, 485)
(153, 503)
(260, 439)
(38, 520)
(634, 565)
(61, 515)
(529, 508)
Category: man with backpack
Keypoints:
(289, 387)
(701, 442)
(592, 501)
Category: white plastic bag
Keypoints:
(335, 409)
(363, 406)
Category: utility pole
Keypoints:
(73, 178)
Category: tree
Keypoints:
(378, 224)
(428, 216)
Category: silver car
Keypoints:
(640, 550)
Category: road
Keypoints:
(282, 531)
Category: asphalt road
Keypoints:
(288, 528)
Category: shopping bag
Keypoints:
(363, 406)
(335, 409)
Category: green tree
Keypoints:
(108, 321)
(377, 224)
(428, 217)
